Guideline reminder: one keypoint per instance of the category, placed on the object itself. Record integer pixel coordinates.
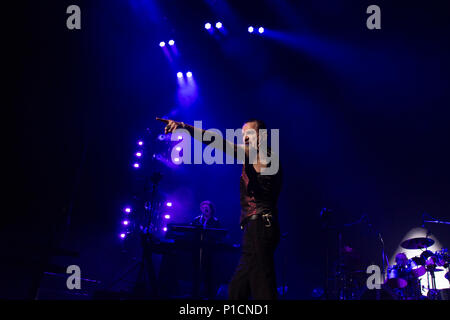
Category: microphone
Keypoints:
(423, 219)
(380, 237)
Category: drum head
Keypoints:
(395, 279)
(397, 283)
(417, 270)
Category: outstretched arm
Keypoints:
(172, 125)
(226, 146)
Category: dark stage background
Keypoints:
(363, 118)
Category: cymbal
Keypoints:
(417, 243)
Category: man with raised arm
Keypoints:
(255, 274)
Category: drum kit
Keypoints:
(408, 279)
(403, 278)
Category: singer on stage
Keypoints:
(255, 274)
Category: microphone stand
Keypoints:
(384, 260)
(145, 266)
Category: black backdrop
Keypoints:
(363, 119)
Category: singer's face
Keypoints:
(250, 135)
(206, 210)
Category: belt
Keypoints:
(253, 217)
(267, 217)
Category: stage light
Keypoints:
(169, 204)
(140, 143)
(138, 154)
(125, 222)
(250, 29)
(171, 42)
(179, 75)
(163, 137)
(261, 30)
(167, 216)
(136, 165)
(127, 209)
(207, 26)
(189, 74)
(122, 235)
(219, 25)
(165, 229)
(162, 44)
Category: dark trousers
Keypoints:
(255, 274)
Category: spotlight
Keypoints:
(208, 26)
(138, 154)
(165, 229)
(179, 75)
(162, 44)
(122, 235)
(219, 25)
(163, 137)
(189, 74)
(140, 143)
(127, 209)
(125, 222)
(171, 42)
(169, 204)
(261, 30)
(136, 165)
(167, 216)
(250, 29)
